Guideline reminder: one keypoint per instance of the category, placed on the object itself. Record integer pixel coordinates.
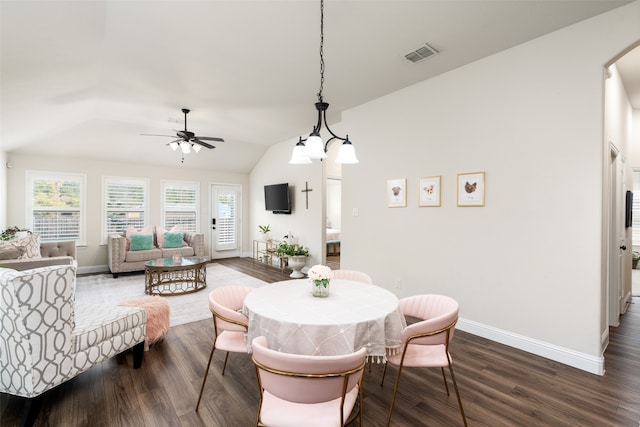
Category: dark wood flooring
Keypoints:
(499, 385)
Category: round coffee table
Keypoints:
(175, 276)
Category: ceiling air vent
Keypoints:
(421, 53)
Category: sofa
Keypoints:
(122, 259)
(51, 253)
(48, 338)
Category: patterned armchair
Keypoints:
(47, 338)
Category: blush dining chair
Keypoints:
(311, 391)
(356, 276)
(425, 343)
(229, 324)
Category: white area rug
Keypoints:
(104, 289)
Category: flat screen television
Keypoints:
(276, 198)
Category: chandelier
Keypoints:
(312, 147)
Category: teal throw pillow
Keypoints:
(172, 240)
(141, 242)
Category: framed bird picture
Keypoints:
(471, 189)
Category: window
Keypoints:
(180, 205)
(126, 202)
(55, 205)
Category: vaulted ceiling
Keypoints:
(86, 78)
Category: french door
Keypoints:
(225, 220)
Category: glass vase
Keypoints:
(320, 288)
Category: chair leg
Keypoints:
(395, 392)
(383, 373)
(138, 355)
(455, 386)
(206, 373)
(446, 387)
(225, 363)
(30, 411)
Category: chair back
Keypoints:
(306, 379)
(439, 314)
(225, 304)
(37, 310)
(356, 276)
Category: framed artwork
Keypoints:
(471, 188)
(397, 193)
(429, 191)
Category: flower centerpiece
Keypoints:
(320, 277)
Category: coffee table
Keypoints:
(175, 276)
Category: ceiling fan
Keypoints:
(187, 140)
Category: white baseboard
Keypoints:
(586, 362)
(93, 269)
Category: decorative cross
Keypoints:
(306, 192)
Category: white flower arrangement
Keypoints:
(320, 273)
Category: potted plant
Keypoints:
(265, 230)
(296, 257)
(635, 256)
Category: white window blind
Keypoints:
(55, 205)
(227, 218)
(180, 205)
(125, 204)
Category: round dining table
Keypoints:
(353, 316)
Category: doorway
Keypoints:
(225, 216)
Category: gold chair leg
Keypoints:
(225, 363)
(206, 373)
(383, 373)
(455, 386)
(446, 387)
(395, 391)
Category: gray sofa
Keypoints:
(52, 253)
(123, 261)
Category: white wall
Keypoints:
(93, 257)
(526, 268)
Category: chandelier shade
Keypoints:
(313, 147)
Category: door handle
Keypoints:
(623, 247)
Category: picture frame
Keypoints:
(429, 191)
(397, 193)
(471, 189)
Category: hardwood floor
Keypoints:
(500, 386)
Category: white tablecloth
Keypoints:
(355, 315)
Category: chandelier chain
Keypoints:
(321, 50)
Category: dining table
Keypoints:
(353, 316)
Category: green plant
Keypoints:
(264, 228)
(9, 233)
(292, 250)
(635, 256)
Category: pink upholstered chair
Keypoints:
(356, 276)
(310, 391)
(229, 324)
(426, 342)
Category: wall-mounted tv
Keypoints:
(276, 198)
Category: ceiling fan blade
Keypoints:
(204, 144)
(151, 134)
(209, 138)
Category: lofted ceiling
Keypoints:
(86, 78)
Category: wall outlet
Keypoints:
(355, 212)
(398, 283)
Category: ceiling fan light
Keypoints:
(174, 145)
(347, 154)
(185, 147)
(196, 147)
(314, 148)
(298, 157)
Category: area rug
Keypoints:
(104, 289)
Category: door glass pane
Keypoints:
(227, 220)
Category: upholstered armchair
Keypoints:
(47, 338)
